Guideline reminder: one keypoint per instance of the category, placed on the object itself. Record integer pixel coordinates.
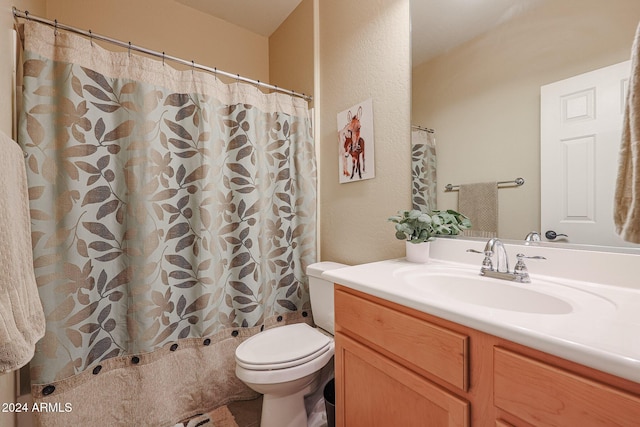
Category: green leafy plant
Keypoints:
(417, 227)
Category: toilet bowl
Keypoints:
(284, 363)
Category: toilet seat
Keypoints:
(282, 347)
(286, 363)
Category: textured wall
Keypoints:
(291, 51)
(6, 53)
(364, 52)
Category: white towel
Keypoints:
(479, 202)
(22, 321)
(627, 197)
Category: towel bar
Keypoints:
(516, 182)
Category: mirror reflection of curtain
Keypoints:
(423, 169)
(173, 216)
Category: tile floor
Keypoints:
(247, 412)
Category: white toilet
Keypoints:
(284, 363)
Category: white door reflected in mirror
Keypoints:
(580, 127)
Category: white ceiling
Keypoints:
(437, 25)
(259, 16)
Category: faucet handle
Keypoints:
(486, 262)
(521, 256)
(486, 253)
(520, 270)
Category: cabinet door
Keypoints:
(374, 391)
(544, 395)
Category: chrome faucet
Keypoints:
(495, 246)
(533, 236)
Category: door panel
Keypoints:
(581, 122)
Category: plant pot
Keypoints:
(417, 252)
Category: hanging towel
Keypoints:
(22, 321)
(479, 202)
(627, 196)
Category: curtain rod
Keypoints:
(429, 130)
(58, 26)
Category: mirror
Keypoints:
(482, 95)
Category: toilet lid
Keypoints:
(282, 347)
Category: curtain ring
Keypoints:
(129, 51)
(26, 15)
(163, 59)
(91, 38)
(193, 66)
(55, 30)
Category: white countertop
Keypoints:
(603, 335)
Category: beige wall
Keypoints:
(483, 99)
(364, 52)
(291, 51)
(171, 27)
(6, 53)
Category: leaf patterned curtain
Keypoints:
(165, 204)
(424, 178)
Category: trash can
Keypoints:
(330, 402)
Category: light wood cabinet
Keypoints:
(383, 393)
(542, 394)
(400, 367)
(422, 346)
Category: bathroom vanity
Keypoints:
(410, 357)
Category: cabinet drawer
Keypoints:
(438, 351)
(544, 395)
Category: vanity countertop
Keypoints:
(605, 337)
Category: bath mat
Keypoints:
(220, 417)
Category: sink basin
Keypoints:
(491, 293)
(538, 297)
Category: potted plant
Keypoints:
(418, 228)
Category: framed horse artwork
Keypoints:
(355, 143)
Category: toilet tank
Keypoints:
(321, 294)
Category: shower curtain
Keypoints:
(173, 216)
(423, 170)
